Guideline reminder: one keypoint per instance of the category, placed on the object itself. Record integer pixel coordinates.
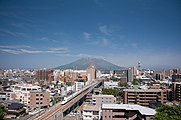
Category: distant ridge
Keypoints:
(84, 63)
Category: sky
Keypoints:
(50, 33)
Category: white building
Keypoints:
(110, 84)
(91, 112)
(79, 86)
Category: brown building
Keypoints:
(144, 96)
(176, 88)
(39, 99)
(126, 112)
(44, 76)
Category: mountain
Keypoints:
(84, 63)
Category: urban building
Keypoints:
(176, 78)
(126, 112)
(91, 112)
(91, 73)
(79, 85)
(44, 76)
(110, 84)
(30, 95)
(98, 100)
(130, 75)
(134, 71)
(144, 96)
(4, 95)
(176, 88)
(15, 110)
(39, 99)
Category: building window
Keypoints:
(37, 94)
(95, 113)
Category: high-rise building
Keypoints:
(176, 78)
(134, 71)
(91, 73)
(43, 75)
(176, 88)
(130, 75)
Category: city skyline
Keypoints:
(47, 34)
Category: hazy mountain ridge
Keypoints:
(84, 63)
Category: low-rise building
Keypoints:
(126, 112)
(98, 100)
(91, 112)
(110, 84)
(79, 85)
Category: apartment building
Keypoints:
(176, 88)
(126, 112)
(79, 85)
(91, 112)
(98, 100)
(144, 96)
(40, 99)
(30, 95)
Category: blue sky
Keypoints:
(49, 33)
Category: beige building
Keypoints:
(98, 100)
(144, 96)
(91, 112)
(91, 73)
(126, 112)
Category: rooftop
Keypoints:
(91, 108)
(102, 95)
(143, 90)
(141, 109)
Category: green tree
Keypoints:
(123, 84)
(3, 111)
(166, 112)
(110, 92)
(136, 82)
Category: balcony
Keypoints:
(118, 113)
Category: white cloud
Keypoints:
(10, 51)
(30, 51)
(87, 36)
(14, 46)
(58, 49)
(104, 29)
(14, 34)
(23, 49)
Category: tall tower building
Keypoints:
(130, 75)
(134, 71)
(91, 73)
